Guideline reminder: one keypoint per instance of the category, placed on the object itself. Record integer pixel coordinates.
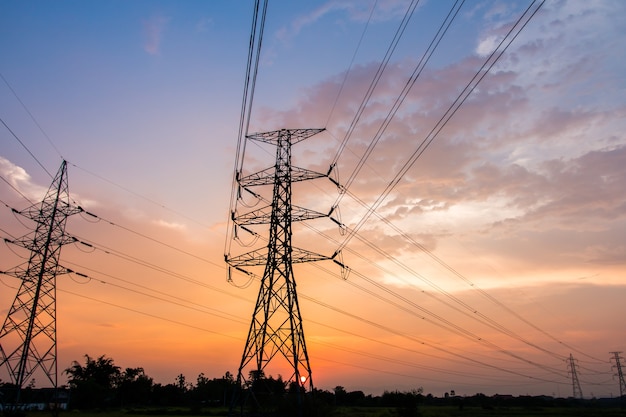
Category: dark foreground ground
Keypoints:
(422, 411)
(448, 411)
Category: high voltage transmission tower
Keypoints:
(577, 392)
(276, 329)
(28, 340)
(620, 373)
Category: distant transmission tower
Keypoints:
(276, 328)
(28, 337)
(571, 367)
(619, 374)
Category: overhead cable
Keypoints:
(511, 35)
(25, 147)
(43, 132)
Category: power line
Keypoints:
(446, 324)
(161, 242)
(31, 117)
(523, 20)
(16, 190)
(365, 354)
(138, 195)
(345, 77)
(246, 110)
(152, 266)
(167, 297)
(424, 59)
(239, 320)
(143, 235)
(26, 148)
(405, 363)
(511, 35)
(133, 290)
(475, 314)
(379, 72)
(420, 341)
(420, 377)
(445, 25)
(136, 260)
(145, 294)
(154, 316)
(142, 262)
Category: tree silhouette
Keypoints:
(134, 387)
(93, 385)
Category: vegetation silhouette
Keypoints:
(98, 385)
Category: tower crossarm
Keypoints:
(263, 216)
(34, 243)
(302, 255)
(258, 257)
(25, 272)
(40, 213)
(295, 135)
(267, 176)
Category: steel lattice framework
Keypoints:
(619, 373)
(276, 327)
(28, 337)
(577, 392)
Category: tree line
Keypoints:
(99, 383)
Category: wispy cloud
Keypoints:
(153, 29)
(204, 24)
(287, 32)
(351, 11)
(170, 225)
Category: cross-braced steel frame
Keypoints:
(619, 373)
(28, 344)
(276, 327)
(577, 391)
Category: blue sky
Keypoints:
(522, 192)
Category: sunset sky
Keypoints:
(490, 257)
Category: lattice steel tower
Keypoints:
(28, 344)
(276, 328)
(620, 373)
(577, 392)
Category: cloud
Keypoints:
(352, 11)
(531, 165)
(487, 45)
(20, 181)
(204, 24)
(170, 225)
(153, 29)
